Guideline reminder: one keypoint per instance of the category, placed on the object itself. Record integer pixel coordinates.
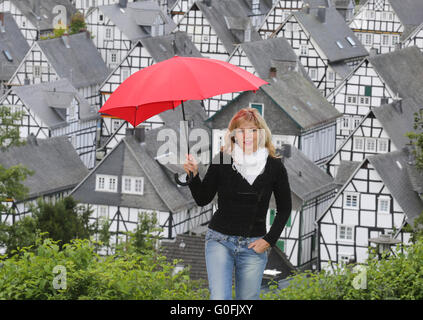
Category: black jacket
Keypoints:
(242, 207)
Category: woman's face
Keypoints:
(246, 136)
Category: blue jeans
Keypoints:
(223, 254)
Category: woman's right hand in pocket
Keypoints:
(190, 164)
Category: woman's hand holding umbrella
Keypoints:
(190, 165)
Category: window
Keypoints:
(370, 14)
(382, 145)
(345, 123)
(358, 143)
(37, 71)
(339, 44)
(132, 185)
(116, 125)
(313, 74)
(108, 33)
(351, 41)
(383, 204)
(345, 258)
(352, 99)
(395, 39)
(100, 17)
(304, 50)
(351, 200)
(370, 145)
(385, 40)
(206, 38)
(331, 76)
(356, 122)
(125, 73)
(368, 39)
(113, 57)
(259, 107)
(106, 183)
(247, 35)
(345, 233)
(103, 212)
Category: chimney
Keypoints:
(321, 14)
(272, 72)
(397, 104)
(306, 8)
(123, 3)
(65, 39)
(32, 140)
(2, 21)
(138, 133)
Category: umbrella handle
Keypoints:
(181, 183)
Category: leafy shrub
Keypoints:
(29, 274)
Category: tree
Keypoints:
(77, 23)
(11, 179)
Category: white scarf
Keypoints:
(249, 165)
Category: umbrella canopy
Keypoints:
(165, 85)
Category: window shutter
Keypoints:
(272, 215)
(281, 245)
(368, 91)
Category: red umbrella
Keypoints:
(167, 84)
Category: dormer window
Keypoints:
(106, 183)
(247, 35)
(339, 44)
(351, 41)
(132, 185)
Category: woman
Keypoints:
(244, 174)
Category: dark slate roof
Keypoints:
(167, 46)
(12, 41)
(192, 254)
(135, 15)
(55, 162)
(345, 170)
(272, 52)
(396, 179)
(81, 63)
(45, 98)
(401, 70)
(398, 121)
(326, 34)
(306, 179)
(301, 100)
(43, 9)
(410, 12)
(130, 157)
(223, 15)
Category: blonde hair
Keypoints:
(250, 115)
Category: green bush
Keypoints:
(30, 274)
(394, 276)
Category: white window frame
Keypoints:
(108, 33)
(311, 72)
(133, 185)
(303, 49)
(385, 39)
(364, 100)
(368, 36)
(345, 123)
(107, 183)
(355, 122)
(355, 139)
(331, 76)
(366, 145)
(116, 123)
(396, 38)
(351, 99)
(100, 214)
(379, 200)
(37, 71)
(351, 194)
(386, 141)
(345, 256)
(345, 239)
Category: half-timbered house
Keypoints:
(281, 9)
(55, 109)
(415, 38)
(146, 52)
(133, 178)
(84, 6)
(71, 56)
(56, 168)
(295, 112)
(384, 77)
(382, 130)
(37, 18)
(216, 27)
(13, 48)
(259, 57)
(382, 24)
(117, 27)
(378, 198)
(311, 192)
(327, 48)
